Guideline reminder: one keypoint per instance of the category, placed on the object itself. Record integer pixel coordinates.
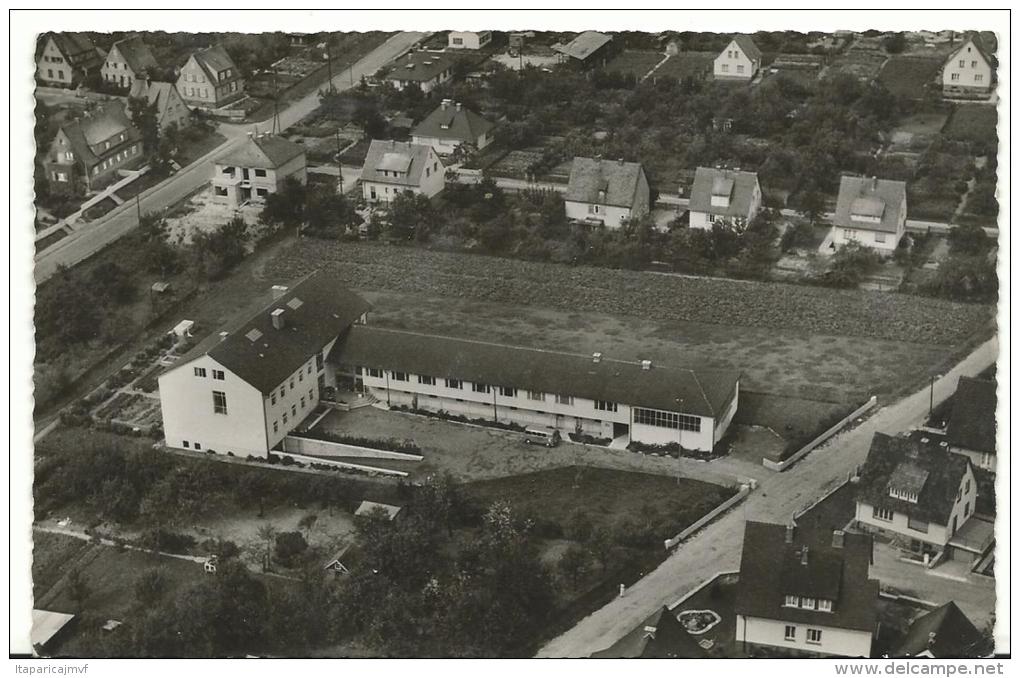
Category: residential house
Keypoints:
(592, 395)
(210, 79)
(241, 391)
(374, 509)
(661, 636)
(739, 61)
(395, 167)
(606, 191)
(257, 167)
(723, 196)
(916, 493)
(170, 106)
(945, 633)
(468, 39)
(969, 72)
(128, 61)
(871, 212)
(340, 563)
(425, 70)
(49, 629)
(87, 152)
(67, 59)
(588, 50)
(806, 592)
(452, 126)
(970, 429)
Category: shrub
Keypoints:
(289, 545)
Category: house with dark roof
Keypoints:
(128, 61)
(258, 166)
(395, 167)
(243, 389)
(453, 126)
(806, 592)
(425, 70)
(169, 105)
(739, 61)
(945, 633)
(970, 428)
(87, 152)
(210, 79)
(66, 59)
(661, 636)
(596, 395)
(724, 196)
(916, 493)
(606, 192)
(871, 212)
(969, 71)
(587, 50)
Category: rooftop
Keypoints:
(419, 66)
(369, 508)
(704, 393)
(584, 45)
(772, 568)
(214, 60)
(945, 633)
(453, 121)
(616, 180)
(136, 54)
(265, 150)
(747, 46)
(928, 469)
(661, 636)
(972, 420)
(870, 197)
(736, 185)
(395, 156)
(88, 133)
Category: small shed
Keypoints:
(371, 509)
(182, 330)
(160, 287)
(339, 564)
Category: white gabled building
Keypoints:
(452, 126)
(723, 196)
(597, 396)
(468, 39)
(395, 167)
(739, 61)
(257, 167)
(969, 72)
(806, 591)
(606, 192)
(871, 212)
(242, 391)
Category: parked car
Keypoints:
(542, 435)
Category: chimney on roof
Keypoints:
(278, 321)
(596, 357)
(838, 539)
(789, 533)
(803, 555)
(650, 632)
(279, 291)
(646, 364)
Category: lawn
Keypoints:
(610, 498)
(686, 65)
(972, 122)
(198, 143)
(909, 77)
(634, 63)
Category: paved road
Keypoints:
(83, 243)
(717, 547)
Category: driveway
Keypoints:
(86, 241)
(718, 546)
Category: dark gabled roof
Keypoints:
(266, 151)
(136, 53)
(946, 633)
(708, 181)
(703, 393)
(400, 156)
(866, 195)
(771, 569)
(266, 357)
(158, 94)
(214, 60)
(972, 420)
(890, 459)
(453, 121)
(747, 46)
(77, 48)
(619, 180)
(661, 636)
(87, 133)
(584, 45)
(419, 66)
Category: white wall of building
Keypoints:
(261, 181)
(877, 240)
(468, 39)
(186, 401)
(983, 460)
(291, 402)
(722, 424)
(733, 64)
(610, 215)
(835, 641)
(967, 70)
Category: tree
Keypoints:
(410, 217)
(157, 255)
(328, 213)
(580, 526)
(286, 206)
(113, 281)
(67, 310)
(307, 522)
(289, 545)
(602, 545)
(267, 533)
(969, 239)
(79, 590)
(574, 563)
(219, 251)
(367, 117)
(850, 264)
(151, 586)
(143, 115)
(895, 43)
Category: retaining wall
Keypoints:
(740, 496)
(803, 452)
(298, 445)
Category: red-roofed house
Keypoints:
(87, 152)
(210, 79)
(739, 61)
(256, 168)
(806, 592)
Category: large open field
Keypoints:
(790, 340)
(908, 77)
(634, 63)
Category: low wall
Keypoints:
(708, 582)
(803, 452)
(343, 464)
(740, 496)
(299, 445)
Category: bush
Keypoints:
(673, 450)
(289, 545)
(589, 439)
(388, 444)
(169, 542)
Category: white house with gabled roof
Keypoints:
(969, 71)
(871, 212)
(395, 167)
(739, 61)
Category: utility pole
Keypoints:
(329, 64)
(339, 164)
(679, 438)
(138, 207)
(276, 104)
